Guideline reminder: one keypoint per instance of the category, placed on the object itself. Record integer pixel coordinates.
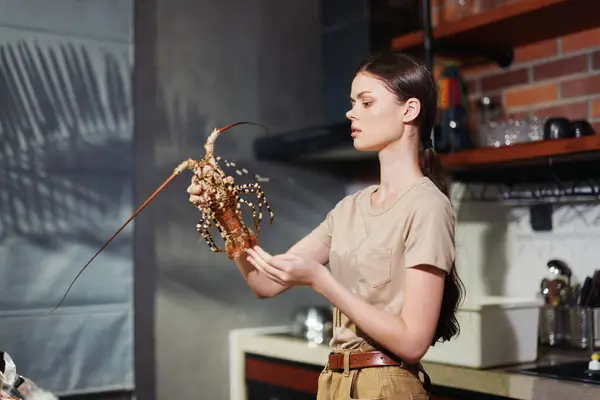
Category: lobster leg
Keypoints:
(255, 188)
(202, 227)
(254, 214)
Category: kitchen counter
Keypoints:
(272, 342)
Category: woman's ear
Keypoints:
(412, 107)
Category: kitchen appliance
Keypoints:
(350, 31)
(575, 371)
(494, 331)
(314, 324)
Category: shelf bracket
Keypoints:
(427, 35)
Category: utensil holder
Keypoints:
(570, 326)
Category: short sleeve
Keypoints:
(324, 231)
(430, 235)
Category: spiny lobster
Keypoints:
(220, 205)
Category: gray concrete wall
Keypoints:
(65, 186)
(200, 65)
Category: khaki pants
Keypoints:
(373, 383)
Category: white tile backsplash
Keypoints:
(574, 239)
(500, 254)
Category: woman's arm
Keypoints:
(408, 335)
(309, 246)
(261, 286)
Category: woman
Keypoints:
(390, 247)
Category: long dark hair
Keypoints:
(406, 77)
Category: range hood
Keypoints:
(350, 30)
(319, 143)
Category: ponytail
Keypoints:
(448, 325)
(433, 169)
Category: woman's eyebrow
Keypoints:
(360, 94)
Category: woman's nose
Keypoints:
(350, 114)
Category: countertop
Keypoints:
(272, 342)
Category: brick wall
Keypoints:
(557, 77)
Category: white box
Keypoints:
(497, 331)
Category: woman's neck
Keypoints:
(399, 168)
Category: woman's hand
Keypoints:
(287, 269)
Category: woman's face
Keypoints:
(377, 117)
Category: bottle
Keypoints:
(453, 104)
(593, 370)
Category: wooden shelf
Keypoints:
(506, 27)
(559, 150)
(574, 157)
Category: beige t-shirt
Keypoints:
(371, 248)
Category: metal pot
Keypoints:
(314, 324)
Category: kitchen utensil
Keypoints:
(579, 326)
(570, 326)
(544, 290)
(592, 298)
(560, 269)
(575, 293)
(585, 291)
(595, 291)
(555, 289)
(551, 328)
(565, 294)
(560, 291)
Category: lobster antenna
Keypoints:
(209, 146)
(144, 204)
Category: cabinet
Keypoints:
(265, 391)
(270, 378)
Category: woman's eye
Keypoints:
(367, 103)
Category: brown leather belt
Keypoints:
(362, 360)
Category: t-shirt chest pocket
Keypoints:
(374, 265)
